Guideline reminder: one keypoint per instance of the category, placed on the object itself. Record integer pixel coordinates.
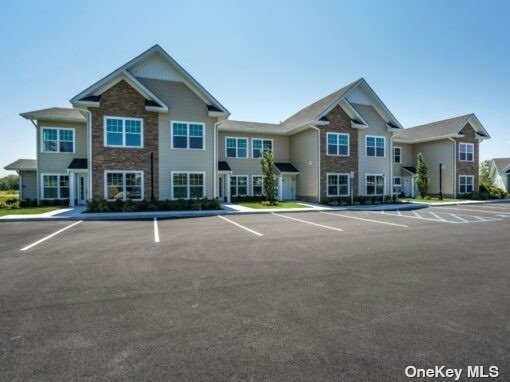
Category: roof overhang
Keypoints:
(41, 116)
(428, 139)
(480, 131)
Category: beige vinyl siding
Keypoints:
(250, 166)
(435, 153)
(373, 165)
(57, 163)
(303, 155)
(28, 185)
(407, 158)
(184, 105)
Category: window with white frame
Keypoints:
(238, 185)
(397, 155)
(57, 140)
(124, 185)
(397, 185)
(188, 135)
(338, 184)
(466, 184)
(55, 186)
(466, 152)
(236, 147)
(260, 146)
(123, 132)
(188, 185)
(374, 184)
(374, 146)
(257, 185)
(338, 144)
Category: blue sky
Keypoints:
(427, 60)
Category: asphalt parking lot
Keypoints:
(350, 296)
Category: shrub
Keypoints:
(162, 205)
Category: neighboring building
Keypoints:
(150, 130)
(500, 173)
(27, 172)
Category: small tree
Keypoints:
(422, 172)
(485, 169)
(267, 163)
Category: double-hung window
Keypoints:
(188, 135)
(338, 184)
(188, 185)
(124, 185)
(397, 185)
(338, 144)
(260, 146)
(57, 140)
(466, 151)
(236, 147)
(374, 146)
(374, 184)
(397, 155)
(123, 132)
(55, 186)
(238, 185)
(257, 185)
(466, 184)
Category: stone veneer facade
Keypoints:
(122, 100)
(467, 168)
(339, 122)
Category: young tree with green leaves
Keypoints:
(422, 175)
(485, 169)
(9, 182)
(267, 163)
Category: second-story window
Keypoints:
(236, 147)
(466, 151)
(188, 135)
(397, 155)
(338, 144)
(123, 132)
(374, 146)
(57, 140)
(260, 146)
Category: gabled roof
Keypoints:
(22, 165)
(124, 71)
(286, 167)
(446, 128)
(501, 164)
(78, 164)
(251, 127)
(55, 114)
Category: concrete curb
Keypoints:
(162, 215)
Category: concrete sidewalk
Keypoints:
(461, 202)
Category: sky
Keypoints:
(264, 60)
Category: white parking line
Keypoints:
(367, 220)
(458, 217)
(466, 209)
(414, 217)
(240, 226)
(307, 222)
(50, 236)
(437, 216)
(156, 231)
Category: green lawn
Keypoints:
(431, 200)
(259, 205)
(4, 195)
(27, 211)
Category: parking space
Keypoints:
(210, 297)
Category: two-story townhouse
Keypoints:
(149, 130)
(499, 173)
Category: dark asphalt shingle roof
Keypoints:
(77, 164)
(55, 114)
(412, 170)
(437, 129)
(501, 163)
(223, 166)
(22, 164)
(285, 167)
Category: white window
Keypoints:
(397, 155)
(238, 185)
(338, 184)
(374, 184)
(123, 132)
(57, 140)
(188, 185)
(466, 184)
(236, 147)
(124, 185)
(338, 144)
(188, 135)
(260, 146)
(466, 151)
(55, 186)
(374, 146)
(257, 185)
(397, 185)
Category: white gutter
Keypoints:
(391, 166)
(215, 159)
(318, 162)
(454, 167)
(89, 149)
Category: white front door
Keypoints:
(81, 189)
(407, 186)
(288, 187)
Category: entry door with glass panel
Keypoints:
(82, 189)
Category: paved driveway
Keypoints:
(351, 296)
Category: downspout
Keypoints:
(390, 155)
(89, 149)
(38, 140)
(318, 162)
(215, 159)
(454, 167)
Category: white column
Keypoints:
(227, 186)
(72, 189)
(280, 188)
